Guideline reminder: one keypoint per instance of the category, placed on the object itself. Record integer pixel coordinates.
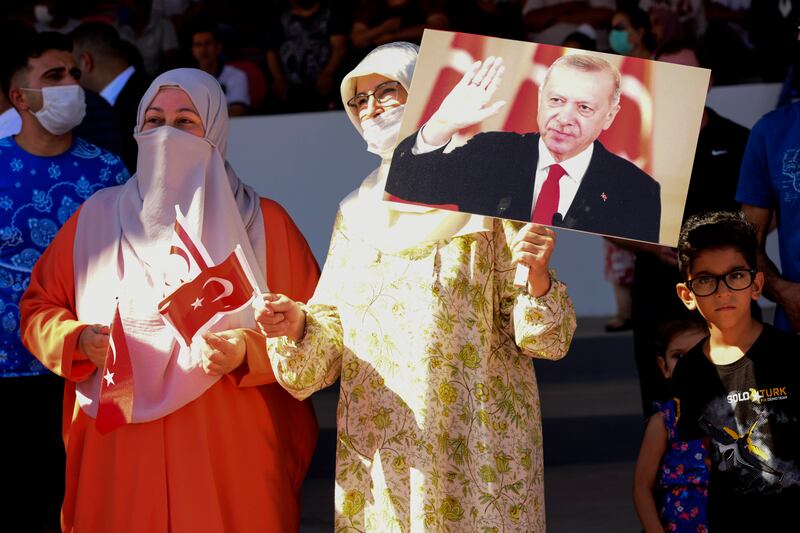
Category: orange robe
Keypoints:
(233, 460)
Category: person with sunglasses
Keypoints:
(738, 388)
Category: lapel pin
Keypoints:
(603, 196)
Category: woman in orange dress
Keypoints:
(214, 444)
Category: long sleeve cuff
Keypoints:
(544, 325)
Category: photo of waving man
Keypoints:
(561, 175)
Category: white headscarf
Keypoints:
(124, 235)
(392, 227)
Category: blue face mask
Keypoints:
(618, 39)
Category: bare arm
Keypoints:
(784, 293)
(325, 79)
(435, 21)
(544, 17)
(280, 87)
(654, 445)
(363, 36)
(594, 16)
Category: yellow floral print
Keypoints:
(438, 423)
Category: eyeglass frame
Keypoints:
(351, 102)
(721, 277)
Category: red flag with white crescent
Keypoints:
(115, 405)
(521, 117)
(188, 257)
(629, 137)
(218, 290)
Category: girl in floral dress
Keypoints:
(417, 315)
(670, 484)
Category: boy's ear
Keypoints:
(758, 285)
(662, 364)
(686, 296)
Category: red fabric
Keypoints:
(547, 203)
(393, 198)
(256, 81)
(115, 405)
(234, 459)
(223, 288)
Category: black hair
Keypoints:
(671, 328)
(584, 41)
(715, 230)
(679, 45)
(204, 25)
(99, 38)
(16, 57)
(640, 20)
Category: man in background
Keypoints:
(107, 69)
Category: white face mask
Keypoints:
(63, 108)
(381, 132)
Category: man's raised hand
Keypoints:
(468, 102)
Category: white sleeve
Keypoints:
(236, 86)
(421, 147)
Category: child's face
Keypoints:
(724, 308)
(678, 345)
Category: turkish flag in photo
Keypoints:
(218, 290)
(116, 388)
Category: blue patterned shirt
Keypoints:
(37, 196)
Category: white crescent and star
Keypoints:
(227, 287)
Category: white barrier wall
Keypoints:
(309, 162)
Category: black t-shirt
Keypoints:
(304, 43)
(749, 414)
(412, 13)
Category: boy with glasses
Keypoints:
(738, 389)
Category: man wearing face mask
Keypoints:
(46, 172)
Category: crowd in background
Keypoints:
(290, 55)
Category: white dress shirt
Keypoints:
(10, 122)
(575, 168)
(111, 91)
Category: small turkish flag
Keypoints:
(188, 257)
(218, 290)
(116, 388)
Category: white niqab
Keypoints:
(124, 235)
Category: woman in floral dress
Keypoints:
(439, 425)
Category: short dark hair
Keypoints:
(99, 38)
(715, 230)
(671, 328)
(33, 46)
(640, 20)
(679, 45)
(584, 41)
(203, 25)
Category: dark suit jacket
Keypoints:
(126, 106)
(494, 174)
(100, 126)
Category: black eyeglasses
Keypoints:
(384, 93)
(735, 280)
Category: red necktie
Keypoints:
(547, 203)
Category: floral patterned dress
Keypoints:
(682, 479)
(438, 422)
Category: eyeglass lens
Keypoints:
(737, 280)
